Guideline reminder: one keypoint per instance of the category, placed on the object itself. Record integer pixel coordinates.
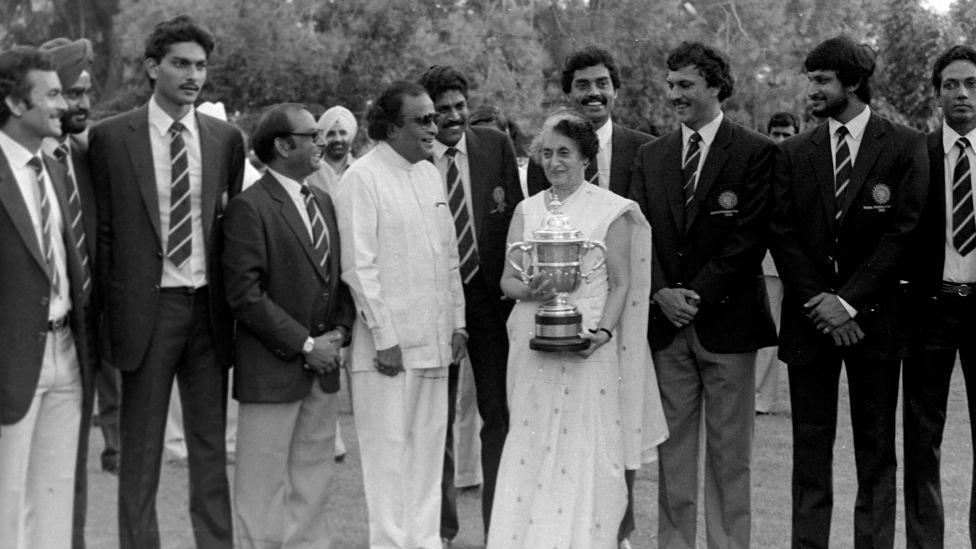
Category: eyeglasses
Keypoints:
(425, 120)
(316, 135)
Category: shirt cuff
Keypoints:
(847, 306)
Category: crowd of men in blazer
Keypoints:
(870, 223)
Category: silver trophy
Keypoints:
(556, 250)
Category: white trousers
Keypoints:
(38, 455)
(402, 424)
(284, 469)
(467, 430)
(768, 366)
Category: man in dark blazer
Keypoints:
(45, 290)
(847, 195)
(943, 292)
(704, 188)
(72, 60)
(163, 174)
(591, 82)
(281, 265)
(481, 181)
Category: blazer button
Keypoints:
(41, 336)
(156, 288)
(45, 300)
(159, 255)
(320, 327)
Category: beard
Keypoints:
(832, 107)
(71, 124)
(337, 151)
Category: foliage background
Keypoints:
(327, 52)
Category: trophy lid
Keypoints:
(556, 227)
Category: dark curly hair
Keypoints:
(710, 62)
(15, 63)
(441, 78)
(588, 57)
(854, 63)
(572, 126)
(783, 119)
(386, 112)
(959, 52)
(181, 28)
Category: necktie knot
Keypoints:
(35, 164)
(306, 192)
(61, 153)
(963, 144)
(451, 152)
(695, 138)
(841, 132)
(176, 129)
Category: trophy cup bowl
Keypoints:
(556, 251)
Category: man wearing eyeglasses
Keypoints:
(162, 175)
(400, 259)
(281, 268)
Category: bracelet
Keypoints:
(604, 330)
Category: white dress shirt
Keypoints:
(400, 259)
(159, 139)
(604, 155)
(17, 158)
(294, 190)
(956, 268)
(707, 133)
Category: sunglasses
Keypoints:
(317, 135)
(425, 120)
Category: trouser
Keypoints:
(768, 365)
(401, 423)
(38, 454)
(181, 346)
(284, 471)
(692, 380)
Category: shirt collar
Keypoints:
(50, 145)
(292, 187)
(605, 133)
(385, 150)
(707, 132)
(855, 126)
(17, 155)
(950, 136)
(462, 146)
(162, 121)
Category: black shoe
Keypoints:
(110, 465)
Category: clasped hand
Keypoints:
(325, 356)
(679, 305)
(829, 316)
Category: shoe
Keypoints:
(446, 543)
(110, 465)
(340, 458)
(624, 544)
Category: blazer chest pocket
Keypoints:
(877, 197)
(725, 202)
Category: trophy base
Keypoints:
(558, 345)
(558, 331)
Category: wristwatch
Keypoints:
(308, 346)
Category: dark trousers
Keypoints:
(450, 525)
(627, 523)
(945, 324)
(813, 397)
(488, 351)
(182, 347)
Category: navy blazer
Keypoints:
(715, 246)
(277, 290)
(864, 258)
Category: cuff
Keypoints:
(847, 306)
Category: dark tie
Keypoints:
(689, 168)
(592, 172)
(46, 221)
(179, 243)
(74, 213)
(315, 219)
(467, 248)
(842, 172)
(963, 224)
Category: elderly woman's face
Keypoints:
(561, 160)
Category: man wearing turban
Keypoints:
(340, 127)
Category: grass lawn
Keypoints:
(770, 503)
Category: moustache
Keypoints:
(595, 97)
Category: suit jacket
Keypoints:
(863, 260)
(130, 247)
(495, 191)
(624, 143)
(25, 290)
(277, 291)
(717, 251)
(928, 245)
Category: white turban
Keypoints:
(343, 116)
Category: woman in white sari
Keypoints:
(577, 419)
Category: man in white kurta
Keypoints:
(400, 260)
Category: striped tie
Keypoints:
(842, 172)
(62, 153)
(467, 247)
(46, 221)
(179, 243)
(319, 241)
(963, 224)
(689, 168)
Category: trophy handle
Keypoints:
(522, 247)
(589, 245)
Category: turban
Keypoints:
(343, 116)
(71, 58)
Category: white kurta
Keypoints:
(399, 258)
